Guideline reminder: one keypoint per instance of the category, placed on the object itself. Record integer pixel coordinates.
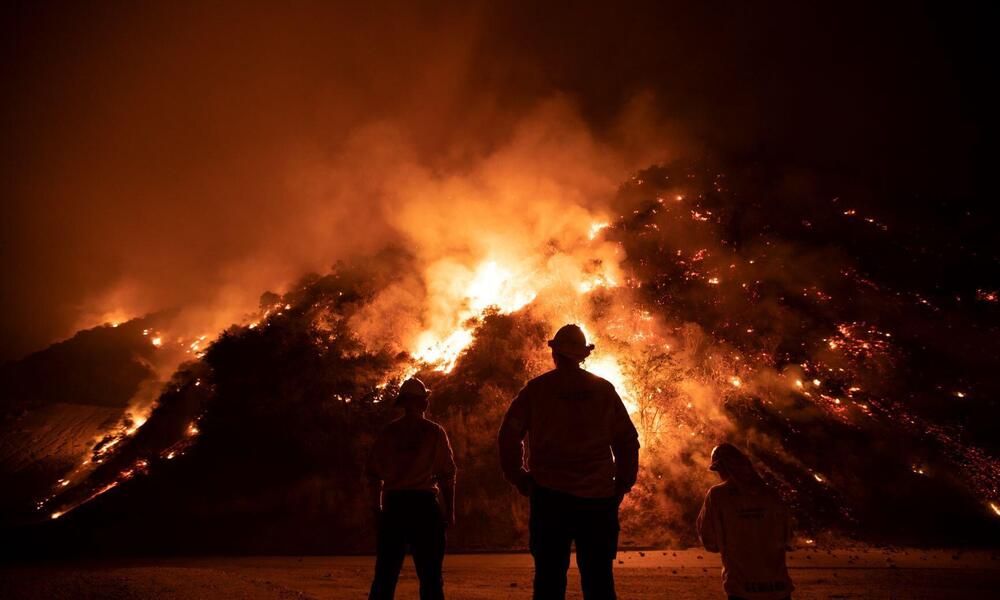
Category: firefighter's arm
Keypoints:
(445, 476)
(374, 482)
(448, 497)
(375, 495)
(510, 442)
(706, 526)
(625, 447)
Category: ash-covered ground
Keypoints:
(687, 574)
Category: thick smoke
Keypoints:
(215, 154)
(168, 156)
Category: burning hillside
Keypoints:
(861, 394)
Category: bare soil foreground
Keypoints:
(682, 574)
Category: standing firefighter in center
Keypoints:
(410, 462)
(583, 457)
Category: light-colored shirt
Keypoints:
(581, 440)
(412, 454)
(751, 528)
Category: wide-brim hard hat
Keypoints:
(571, 342)
(412, 388)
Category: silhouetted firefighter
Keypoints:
(583, 457)
(749, 524)
(410, 462)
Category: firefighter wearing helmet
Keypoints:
(745, 521)
(583, 459)
(410, 463)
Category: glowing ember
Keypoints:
(996, 508)
(987, 295)
(157, 341)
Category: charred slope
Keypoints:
(56, 402)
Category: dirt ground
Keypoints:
(682, 574)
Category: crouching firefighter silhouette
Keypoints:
(748, 523)
(583, 457)
(410, 462)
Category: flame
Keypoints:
(596, 228)
(494, 285)
(443, 353)
(137, 422)
(508, 287)
(996, 508)
(490, 286)
(592, 284)
(608, 367)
